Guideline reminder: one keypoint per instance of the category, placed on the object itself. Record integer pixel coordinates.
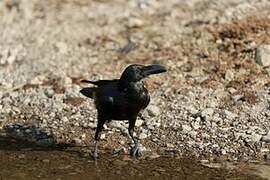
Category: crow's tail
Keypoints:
(87, 81)
(88, 92)
(100, 82)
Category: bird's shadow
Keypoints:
(18, 137)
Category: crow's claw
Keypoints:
(136, 151)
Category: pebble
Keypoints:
(154, 155)
(77, 141)
(266, 138)
(229, 114)
(262, 55)
(142, 135)
(46, 160)
(139, 123)
(229, 75)
(102, 136)
(186, 128)
(153, 110)
(49, 93)
(135, 23)
(208, 112)
(92, 125)
(65, 119)
(169, 145)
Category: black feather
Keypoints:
(88, 92)
(100, 82)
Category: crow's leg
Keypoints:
(97, 136)
(141, 116)
(135, 151)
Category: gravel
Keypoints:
(213, 102)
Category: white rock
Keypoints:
(66, 81)
(237, 97)
(266, 138)
(196, 126)
(255, 137)
(65, 119)
(102, 136)
(208, 112)
(139, 122)
(49, 93)
(262, 55)
(186, 128)
(77, 141)
(229, 114)
(229, 75)
(153, 110)
(38, 79)
(83, 136)
(135, 22)
(142, 136)
(92, 125)
(169, 145)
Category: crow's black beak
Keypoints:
(153, 69)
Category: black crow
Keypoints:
(121, 99)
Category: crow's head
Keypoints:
(137, 72)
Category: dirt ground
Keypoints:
(61, 162)
(213, 103)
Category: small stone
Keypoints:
(266, 138)
(186, 128)
(139, 122)
(85, 125)
(65, 119)
(153, 110)
(102, 136)
(237, 97)
(169, 145)
(262, 55)
(265, 150)
(196, 126)
(135, 23)
(208, 112)
(77, 141)
(46, 160)
(28, 130)
(223, 152)
(49, 93)
(92, 125)
(192, 134)
(154, 156)
(204, 161)
(229, 75)
(21, 156)
(229, 114)
(38, 79)
(142, 136)
(83, 136)
(66, 81)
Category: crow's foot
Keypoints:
(136, 151)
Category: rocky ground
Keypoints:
(214, 102)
